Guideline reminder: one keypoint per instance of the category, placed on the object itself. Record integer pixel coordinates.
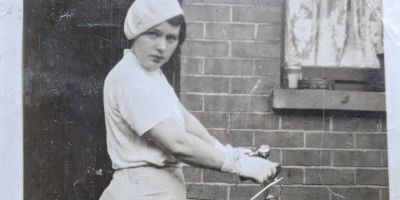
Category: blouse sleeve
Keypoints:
(142, 107)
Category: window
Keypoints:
(339, 45)
(340, 33)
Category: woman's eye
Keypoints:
(153, 34)
(171, 39)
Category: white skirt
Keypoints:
(146, 183)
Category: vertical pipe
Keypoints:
(11, 130)
(391, 10)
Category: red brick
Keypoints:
(257, 14)
(241, 192)
(204, 84)
(244, 2)
(219, 177)
(356, 193)
(212, 119)
(268, 68)
(280, 139)
(292, 175)
(356, 124)
(234, 138)
(192, 102)
(270, 49)
(371, 141)
(191, 66)
(306, 157)
(305, 193)
(253, 85)
(198, 191)
(356, 158)
(372, 177)
(384, 124)
(194, 31)
(206, 13)
(269, 32)
(192, 48)
(384, 194)
(275, 156)
(254, 121)
(237, 103)
(330, 140)
(384, 159)
(228, 67)
(330, 176)
(192, 174)
(304, 122)
(189, 2)
(229, 31)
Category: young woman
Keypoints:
(149, 132)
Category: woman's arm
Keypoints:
(195, 151)
(194, 127)
(186, 147)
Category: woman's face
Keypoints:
(155, 47)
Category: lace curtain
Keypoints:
(339, 33)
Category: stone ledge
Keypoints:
(329, 100)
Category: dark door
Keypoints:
(69, 47)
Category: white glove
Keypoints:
(256, 168)
(252, 167)
(242, 150)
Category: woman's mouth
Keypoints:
(156, 58)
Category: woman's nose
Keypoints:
(161, 44)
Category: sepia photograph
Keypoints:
(199, 100)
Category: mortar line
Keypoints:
(255, 31)
(230, 13)
(354, 140)
(203, 103)
(228, 191)
(205, 30)
(254, 138)
(203, 66)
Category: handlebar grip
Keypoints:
(278, 170)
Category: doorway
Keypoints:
(69, 47)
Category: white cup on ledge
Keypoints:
(293, 72)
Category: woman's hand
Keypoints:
(256, 168)
(246, 166)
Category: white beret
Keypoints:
(144, 14)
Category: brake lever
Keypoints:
(276, 180)
(264, 151)
(278, 170)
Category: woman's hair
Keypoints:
(179, 20)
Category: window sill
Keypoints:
(329, 100)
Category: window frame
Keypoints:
(354, 84)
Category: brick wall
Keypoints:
(230, 65)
